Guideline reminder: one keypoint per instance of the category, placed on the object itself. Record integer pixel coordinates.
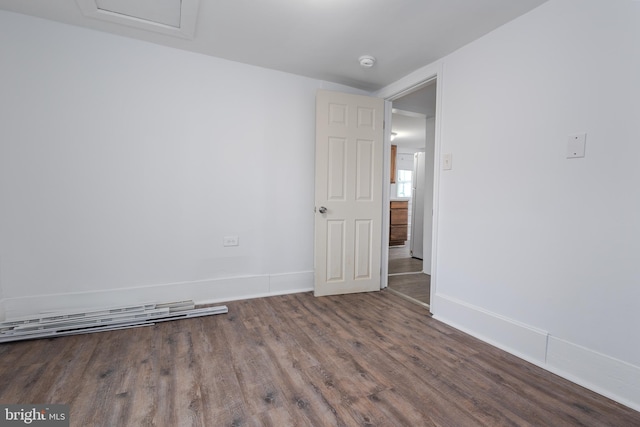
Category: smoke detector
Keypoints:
(367, 61)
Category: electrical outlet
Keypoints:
(230, 241)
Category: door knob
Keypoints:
(322, 210)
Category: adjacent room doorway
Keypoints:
(412, 184)
(343, 264)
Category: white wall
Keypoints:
(538, 253)
(116, 159)
(123, 164)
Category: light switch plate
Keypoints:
(447, 161)
(576, 145)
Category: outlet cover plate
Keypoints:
(230, 241)
(576, 145)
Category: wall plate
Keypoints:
(576, 145)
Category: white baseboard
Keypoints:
(289, 283)
(519, 339)
(605, 375)
(201, 292)
(610, 377)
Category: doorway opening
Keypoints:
(411, 193)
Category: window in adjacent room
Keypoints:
(403, 183)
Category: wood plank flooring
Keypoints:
(400, 260)
(416, 286)
(295, 360)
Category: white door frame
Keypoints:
(397, 90)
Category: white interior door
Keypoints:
(348, 193)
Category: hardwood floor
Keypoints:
(400, 260)
(416, 286)
(296, 360)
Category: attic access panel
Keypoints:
(171, 17)
(165, 12)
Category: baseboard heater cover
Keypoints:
(56, 324)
